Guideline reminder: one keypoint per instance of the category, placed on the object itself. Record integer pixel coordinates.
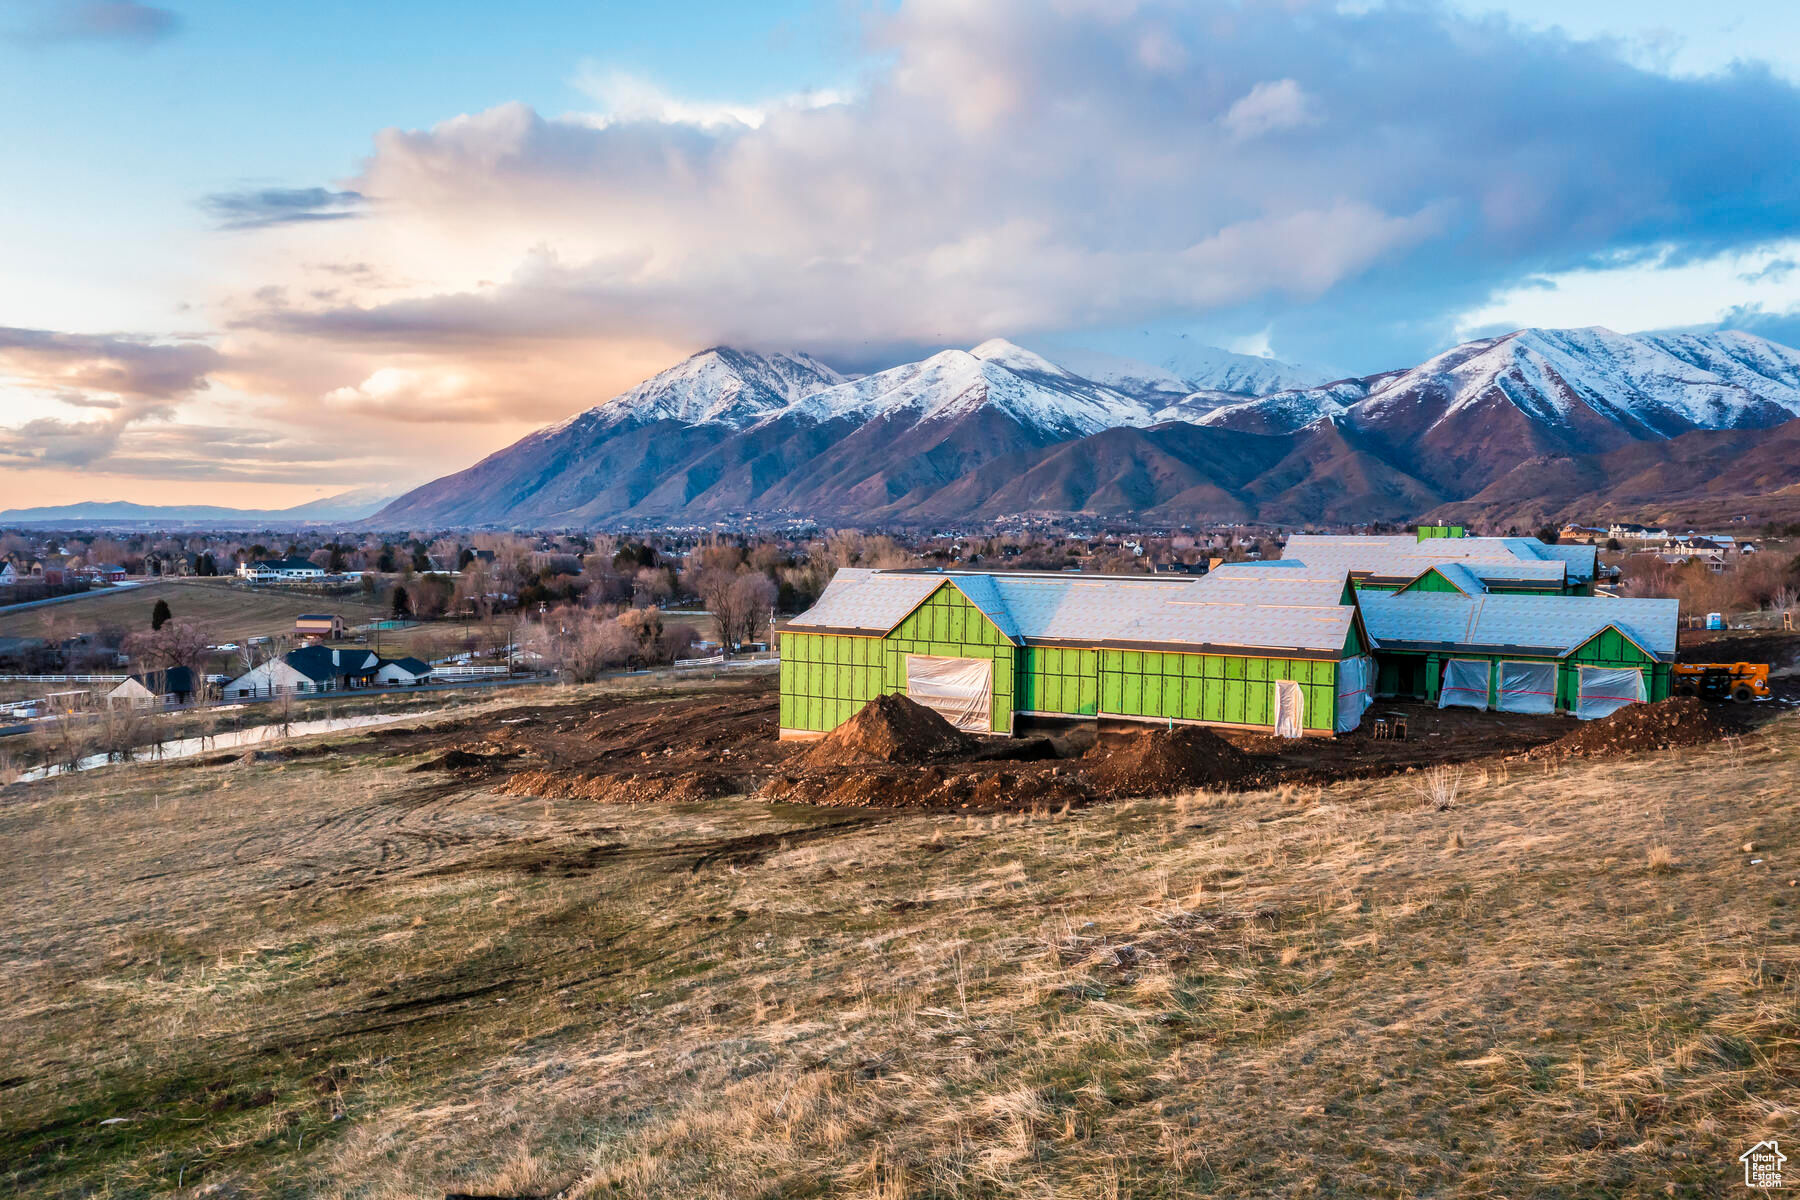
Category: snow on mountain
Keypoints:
(1278, 412)
(1211, 369)
(731, 432)
(722, 385)
(955, 383)
(1128, 376)
(1656, 386)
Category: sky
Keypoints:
(259, 254)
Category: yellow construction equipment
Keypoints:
(1721, 681)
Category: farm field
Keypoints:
(367, 966)
(225, 610)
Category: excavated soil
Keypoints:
(890, 729)
(1164, 760)
(700, 742)
(1678, 721)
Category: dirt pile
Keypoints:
(1161, 761)
(1679, 721)
(890, 729)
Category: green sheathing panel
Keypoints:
(1353, 642)
(1610, 648)
(1432, 581)
(1055, 679)
(1427, 532)
(1217, 688)
(948, 626)
(826, 678)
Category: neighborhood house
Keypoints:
(280, 570)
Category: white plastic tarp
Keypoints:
(1465, 684)
(1290, 708)
(1356, 681)
(1605, 690)
(1528, 687)
(961, 690)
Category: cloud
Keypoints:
(1015, 168)
(1774, 271)
(126, 381)
(263, 207)
(1267, 108)
(54, 21)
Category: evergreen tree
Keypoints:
(402, 604)
(160, 615)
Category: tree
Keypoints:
(175, 644)
(159, 615)
(753, 599)
(1547, 535)
(713, 586)
(402, 603)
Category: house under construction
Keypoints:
(1299, 646)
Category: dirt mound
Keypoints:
(459, 759)
(890, 729)
(673, 787)
(1161, 761)
(1679, 721)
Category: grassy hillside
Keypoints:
(228, 612)
(330, 977)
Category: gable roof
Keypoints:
(411, 665)
(1541, 626)
(329, 662)
(1260, 607)
(1401, 559)
(175, 679)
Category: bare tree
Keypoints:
(753, 602)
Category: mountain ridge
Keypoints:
(1000, 429)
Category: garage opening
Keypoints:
(1465, 684)
(1605, 690)
(961, 690)
(1528, 687)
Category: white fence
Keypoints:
(63, 678)
(467, 672)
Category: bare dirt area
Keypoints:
(702, 741)
(322, 971)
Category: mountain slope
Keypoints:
(349, 507)
(1002, 429)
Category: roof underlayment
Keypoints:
(1543, 626)
(1491, 559)
(1302, 611)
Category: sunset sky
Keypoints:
(254, 254)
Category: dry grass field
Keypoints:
(227, 611)
(332, 977)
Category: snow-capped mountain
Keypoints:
(1279, 412)
(722, 385)
(1001, 428)
(1583, 383)
(955, 383)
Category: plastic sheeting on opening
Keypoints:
(1290, 708)
(1605, 690)
(1356, 683)
(961, 690)
(1465, 684)
(1528, 687)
